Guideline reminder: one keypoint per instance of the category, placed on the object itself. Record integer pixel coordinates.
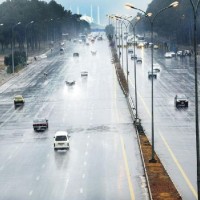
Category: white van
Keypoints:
(61, 140)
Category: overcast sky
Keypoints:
(105, 7)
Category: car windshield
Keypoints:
(61, 138)
(181, 97)
(39, 120)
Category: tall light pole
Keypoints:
(13, 67)
(122, 39)
(135, 71)
(27, 40)
(152, 18)
(195, 12)
(108, 19)
(127, 70)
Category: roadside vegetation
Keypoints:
(174, 25)
(35, 25)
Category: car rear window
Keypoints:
(61, 138)
(18, 98)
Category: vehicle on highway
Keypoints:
(84, 73)
(130, 50)
(75, 54)
(18, 101)
(180, 53)
(168, 55)
(156, 69)
(40, 124)
(93, 52)
(155, 46)
(183, 53)
(62, 50)
(45, 74)
(139, 60)
(172, 53)
(70, 82)
(152, 74)
(140, 44)
(133, 57)
(187, 52)
(61, 140)
(181, 100)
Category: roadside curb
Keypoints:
(159, 184)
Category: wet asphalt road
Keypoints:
(103, 161)
(174, 128)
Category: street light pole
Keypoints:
(119, 35)
(195, 9)
(122, 48)
(27, 40)
(135, 70)
(12, 47)
(127, 70)
(148, 15)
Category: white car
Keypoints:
(168, 55)
(155, 46)
(61, 140)
(172, 53)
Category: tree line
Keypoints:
(31, 22)
(174, 24)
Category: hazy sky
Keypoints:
(105, 7)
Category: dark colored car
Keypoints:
(133, 57)
(75, 54)
(181, 100)
(130, 50)
(70, 82)
(139, 60)
(40, 124)
(152, 75)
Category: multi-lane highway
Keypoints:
(174, 128)
(104, 160)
